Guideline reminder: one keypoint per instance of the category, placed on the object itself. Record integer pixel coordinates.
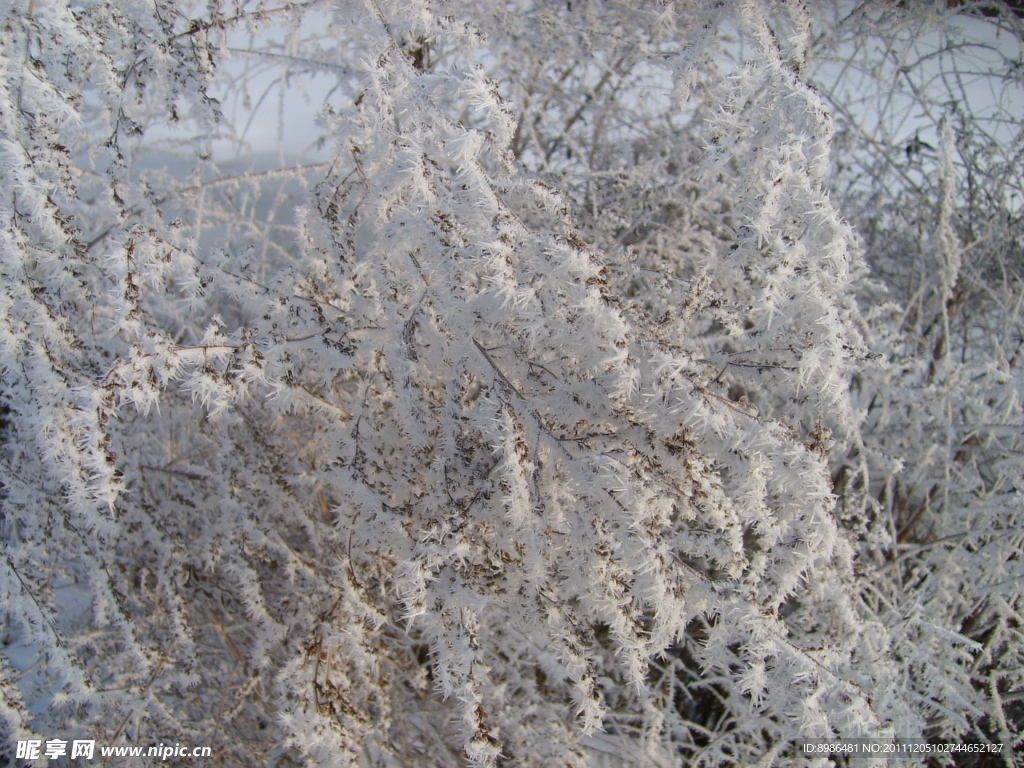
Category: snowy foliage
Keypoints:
(609, 367)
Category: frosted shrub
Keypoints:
(553, 397)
